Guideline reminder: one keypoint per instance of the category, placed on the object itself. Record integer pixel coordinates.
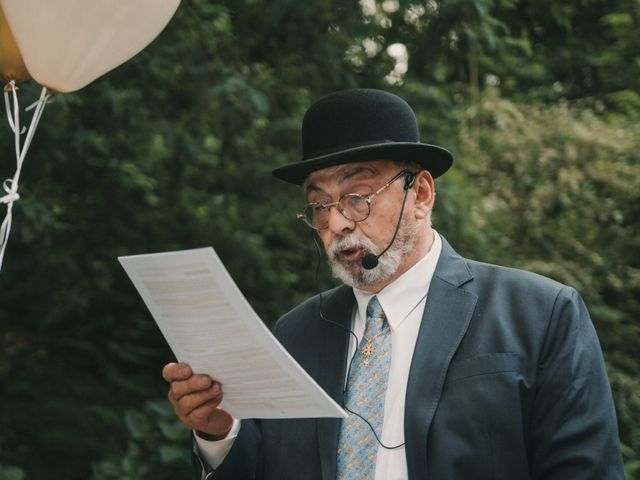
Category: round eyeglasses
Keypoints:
(353, 206)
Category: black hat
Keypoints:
(361, 125)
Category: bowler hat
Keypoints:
(361, 125)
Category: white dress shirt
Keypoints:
(403, 302)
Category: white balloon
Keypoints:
(67, 44)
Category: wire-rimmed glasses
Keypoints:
(353, 206)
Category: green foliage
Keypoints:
(538, 101)
(157, 448)
(11, 473)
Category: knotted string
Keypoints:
(10, 185)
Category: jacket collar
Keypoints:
(445, 321)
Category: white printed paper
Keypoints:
(209, 324)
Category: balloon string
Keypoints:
(10, 185)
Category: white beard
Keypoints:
(354, 274)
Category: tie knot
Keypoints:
(375, 315)
(374, 309)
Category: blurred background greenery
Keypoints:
(538, 100)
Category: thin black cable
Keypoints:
(408, 183)
(355, 351)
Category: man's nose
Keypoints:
(338, 223)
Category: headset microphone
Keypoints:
(370, 260)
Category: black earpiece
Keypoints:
(409, 180)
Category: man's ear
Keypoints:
(425, 194)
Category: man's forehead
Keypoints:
(342, 173)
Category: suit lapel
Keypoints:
(337, 306)
(445, 321)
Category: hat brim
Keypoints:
(432, 158)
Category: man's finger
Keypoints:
(190, 403)
(196, 383)
(176, 371)
(203, 412)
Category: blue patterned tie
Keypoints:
(366, 387)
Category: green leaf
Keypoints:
(11, 473)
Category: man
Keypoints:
(461, 370)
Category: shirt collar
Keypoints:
(402, 295)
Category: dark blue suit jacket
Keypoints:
(507, 382)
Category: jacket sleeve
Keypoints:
(574, 431)
(243, 462)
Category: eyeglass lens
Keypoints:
(352, 206)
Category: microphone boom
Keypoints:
(371, 260)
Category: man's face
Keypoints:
(346, 242)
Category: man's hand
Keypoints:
(195, 399)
